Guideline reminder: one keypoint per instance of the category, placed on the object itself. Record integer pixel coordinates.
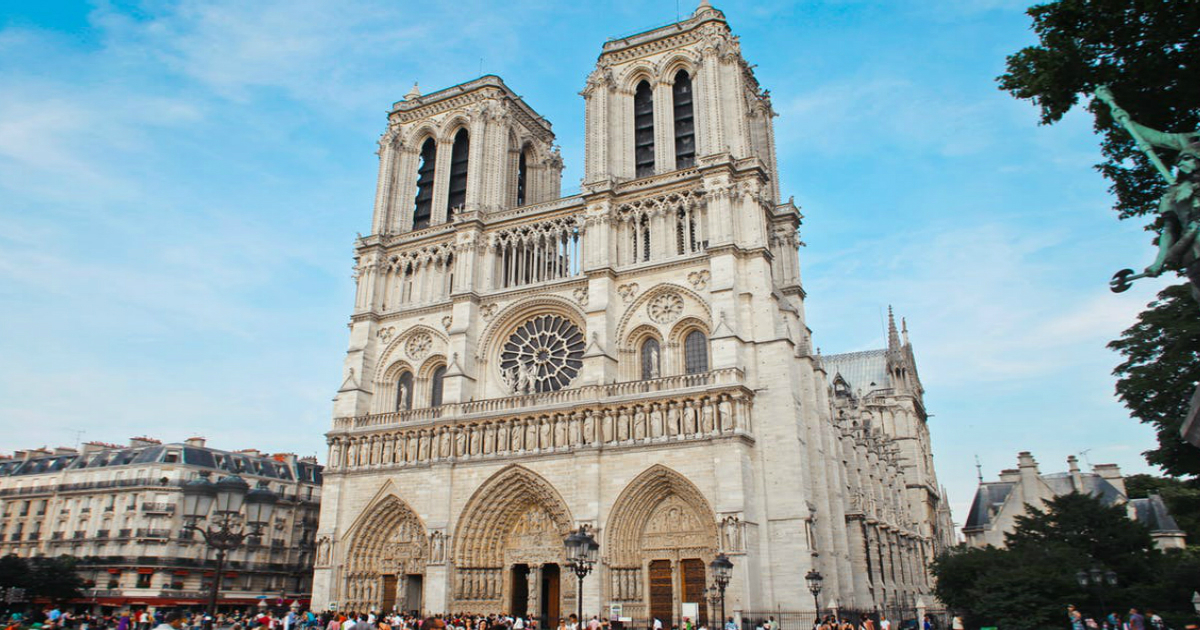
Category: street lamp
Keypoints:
(722, 570)
(1098, 578)
(581, 556)
(815, 580)
(226, 529)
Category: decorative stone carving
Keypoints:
(731, 534)
(487, 311)
(385, 334)
(446, 322)
(437, 547)
(417, 346)
(627, 291)
(324, 551)
(581, 295)
(665, 308)
(699, 279)
(543, 354)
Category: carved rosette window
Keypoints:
(544, 354)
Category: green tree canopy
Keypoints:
(54, 578)
(1029, 583)
(1160, 370)
(1147, 51)
(1181, 496)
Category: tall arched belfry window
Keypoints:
(424, 203)
(404, 391)
(458, 173)
(521, 174)
(435, 387)
(651, 359)
(695, 352)
(643, 127)
(685, 125)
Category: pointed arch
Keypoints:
(660, 513)
(389, 538)
(485, 530)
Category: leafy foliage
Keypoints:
(1029, 583)
(1182, 498)
(54, 578)
(1160, 370)
(1147, 51)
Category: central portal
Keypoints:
(519, 604)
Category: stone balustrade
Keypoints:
(671, 409)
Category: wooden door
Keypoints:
(662, 600)
(693, 587)
(550, 595)
(389, 593)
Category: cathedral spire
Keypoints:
(893, 336)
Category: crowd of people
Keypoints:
(1135, 620)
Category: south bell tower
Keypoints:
(632, 359)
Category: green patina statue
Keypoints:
(1179, 208)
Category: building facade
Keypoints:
(998, 503)
(118, 510)
(633, 359)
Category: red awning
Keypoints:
(115, 571)
(181, 572)
(145, 571)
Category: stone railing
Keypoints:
(587, 393)
(605, 416)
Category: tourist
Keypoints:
(1136, 621)
(171, 621)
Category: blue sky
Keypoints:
(181, 183)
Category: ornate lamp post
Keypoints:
(1097, 578)
(226, 529)
(815, 580)
(722, 570)
(582, 550)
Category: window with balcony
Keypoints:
(695, 352)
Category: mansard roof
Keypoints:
(864, 371)
(249, 463)
(988, 499)
(1152, 512)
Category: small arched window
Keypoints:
(521, 174)
(685, 126)
(695, 352)
(651, 359)
(458, 173)
(643, 127)
(404, 391)
(424, 202)
(435, 387)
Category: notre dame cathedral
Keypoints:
(633, 359)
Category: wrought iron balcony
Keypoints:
(158, 508)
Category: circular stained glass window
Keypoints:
(542, 355)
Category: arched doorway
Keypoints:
(385, 562)
(508, 551)
(661, 535)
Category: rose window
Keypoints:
(544, 354)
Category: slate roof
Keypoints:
(1152, 513)
(865, 370)
(989, 497)
(205, 457)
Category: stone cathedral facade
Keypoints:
(633, 359)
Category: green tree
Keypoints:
(1029, 583)
(1148, 52)
(1182, 497)
(1160, 370)
(54, 578)
(13, 571)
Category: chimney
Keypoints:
(1031, 487)
(252, 452)
(139, 442)
(1112, 474)
(1010, 475)
(196, 441)
(65, 450)
(1076, 478)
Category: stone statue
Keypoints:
(652, 359)
(402, 398)
(1179, 208)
